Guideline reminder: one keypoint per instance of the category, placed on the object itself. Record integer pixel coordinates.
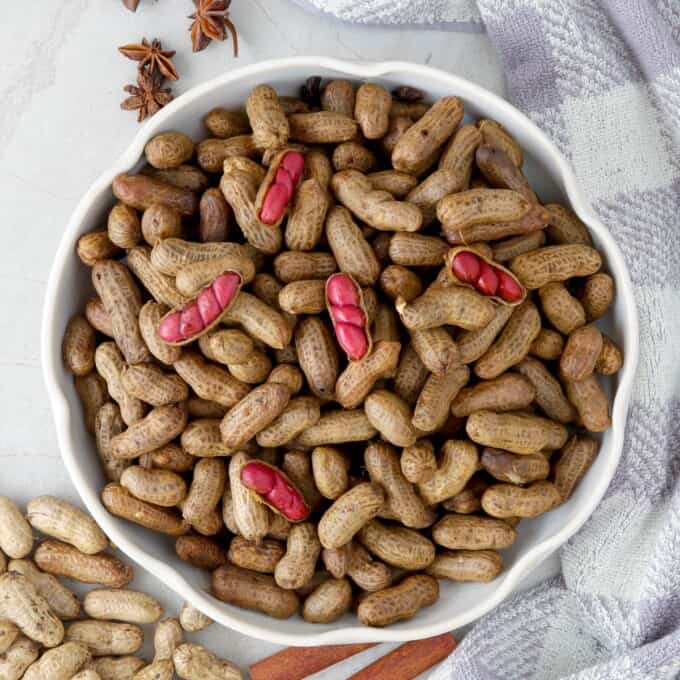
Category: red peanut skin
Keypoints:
(280, 192)
(274, 489)
(345, 306)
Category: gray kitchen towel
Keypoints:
(602, 78)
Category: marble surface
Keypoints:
(60, 125)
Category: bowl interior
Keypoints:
(70, 288)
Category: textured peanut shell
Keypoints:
(576, 457)
(298, 415)
(228, 346)
(307, 216)
(501, 172)
(548, 345)
(202, 438)
(194, 662)
(250, 516)
(94, 247)
(581, 353)
(481, 206)
(108, 423)
(60, 663)
(338, 96)
(418, 463)
(494, 134)
(555, 263)
(173, 254)
(129, 606)
(508, 500)
(267, 118)
(191, 278)
(292, 266)
(468, 532)
(318, 356)
(150, 316)
(261, 557)
(328, 602)
(391, 417)
(504, 251)
(209, 381)
(212, 153)
(104, 637)
(466, 565)
(158, 428)
(224, 124)
(432, 407)
(296, 568)
(203, 552)
(148, 383)
(468, 500)
(396, 545)
(204, 408)
(457, 463)
(338, 427)
(207, 486)
(474, 344)
(16, 536)
(168, 150)
(142, 191)
(330, 470)
(508, 392)
(98, 317)
(117, 667)
(513, 468)
(260, 321)
(353, 156)
(610, 359)
(411, 373)
(322, 127)
(298, 466)
(591, 402)
(193, 620)
(78, 346)
(184, 177)
(565, 226)
(561, 308)
(597, 295)
(167, 637)
(160, 222)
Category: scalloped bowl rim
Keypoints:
(418, 627)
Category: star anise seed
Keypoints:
(310, 92)
(148, 96)
(408, 94)
(152, 55)
(210, 20)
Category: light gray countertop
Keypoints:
(61, 84)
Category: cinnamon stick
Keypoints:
(295, 663)
(409, 660)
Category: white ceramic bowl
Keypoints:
(69, 287)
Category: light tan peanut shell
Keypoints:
(261, 321)
(168, 635)
(161, 286)
(184, 177)
(466, 565)
(330, 468)
(21, 604)
(457, 463)
(576, 457)
(391, 417)
(369, 574)
(565, 227)
(115, 604)
(202, 438)
(591, 402)
(157, 429)
(503, 251)
(292, 266)
(148, 383)
(555, 263)
(262, 557)
(338, 96)
(481, 206)
(223, 123)
(98, 317)
(336, 560)
(396, 545)
(160, 222)
(508, 392)
(561, 308)
(296, 567)
(548, 345)
(399, 184)
(150, 316)
(87, 674)
(597, 295)
(78, 346)
(322, 127)
(228, 346)
(303, 297)
(328, 602)
(206, 490)
(193, 620)
(410, 375)
(210, 524)
(170, 255)
(109, 423)
(581, 353)
(318, 356)
(415, 250)
(515, 432)
(212, 153)
(298, 466)
(8, 634)
(338, 427)
(94, 247)
(60, 663)
(104, 637)
(469, 532)
(204, 408)
(209, 381)
(194, 662)
(353, 156)
(398, 602)
(432, 407)
(514, 468)
(168, 150)
(15, 661)
(508, 500)
(120, 502)
(298, 415)
(267, 118)
(191, 278)
(158, 670)
(513, 343)
(250, 516)
(610, 359)
(307, 215)
(418, 463)
(116, 667)
(469, 499)
(122, 301)
(474, 344)
(372, 110)
(16, 536)
(251, 590)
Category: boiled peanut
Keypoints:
(149, 384)
(328, 602)
(391, 416)
(296, 567)
(193, 620)
(266, 118)
(396, 545)
(494, 134)
(501, 171)
(95, 247)
(565, 226)
(474, 344)
(204, 408)
(167, 637)
(591, 402)
(548, 345)
(168, 150)
(457, 463)
(298, 466)
(503, 251)
(202, 438)
(191, 278)
(298, 415)
(194, 662)
(508, 500)
(215, 217)
(397, 281)
(353, 156)
(508, 392)
(260, 321)
(20, 655)
(581, 353)
(469, 499)
(60, 663)
(16, 537)
(597, 295)
(228, 346)
(610, 359)
(78, 346)
(318, 356)
(411, 373)
(418, 463)
(141, 191)
(128, 606)
(201, 551)
(262, 557)
(555, 263)
(467, 532)
(104, 637)
(150, 316)
(159, 487)
(466, 565)
(158, 428)
(303, 297)
(250, 516)
(330, 468)
(561, 308)
(207, 487)
(322, 127)
(211, 153)
(160, 222)
(184, 177)
(98, 317)
(576, 457)
(109, 423)
(171, 255)
(399, 184)
(432, 407)
(209, 381)
(8, 635)
(514, 468)
(158, 670)
(224, 124)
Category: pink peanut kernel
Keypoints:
(225, 287)
(349, 319)
(349, 314)
(488, 280)
(272, 485)
(168, 330)
(208, 306)
(341, 291)
(190, 322)
(487, 283)
(466, 267)
(352, 339)
(508, 288)
(280, 193)
(294, 162)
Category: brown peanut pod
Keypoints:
(98, 317)
(250, 516)
(307, 215)
(192, 661)
(494, 134)
(330, 469)
(301, 266)
(128, 606)
(318, 356)
(298, 466)
(548, 345)
(209, 381)
(296, 568)
(591, 402)
(111, 366)
(438, 306)
(171, 255)
(303, 297)
(224, 124)
(209, 524)
(418, 463)
(105, 637)
(252, 414)
(396, 281)
(158, 428)
(318, 167)
(328, 602)
(369, 574)
(322, 127)
(247, 166)
(211, 153)
(262, 557)
(399, 124)
(508, 392)
(142, 191)
(338, 427)
(18, 657)
(468, 532)
(191, 278)
(150, 316)
(436, 349)
(123, 226)
(160, 487)
(288, 375)
(353, 156)
(201, 551)
(226, 346)
(436, 397)
(466, 565)
(171, 457)
(513, 343)
(202, 438)
(251, 590)
(267, 118)
(597, 295)
(60, 663)
(469, 499)
(434, 188)
(401, 500)
(504, 251)
(356, 382)
(411, 372)
(501, 171)
(107, 424)
(549, 394)
(122, 301)
(508, 500)
(576, 457)
(457, 463)
(555, 263)
(515, 432)
(352, 252)
(260, 321)
(95, 247)
(396, 545)
(468, 267)
(204, 408)
(214, 216)
(206, 490)
(184, 177)
(565, 226)
(513, 468)
(148, 383)
(78, 346)
(160, 222)
(459, 154)
(91, 390)
(16, 536)
(117, 667)
(414, 110)
(376, 208)
(300, 414)
(168, 150)
(561, 308)
(610, 359)
(9, 633)
(120, 502)
(391, 416)
(581, 353)
(399, 602)
(414, 152)
(372, 110)
(253, 370)
(399, 184)
(348, 514)
(338, 96)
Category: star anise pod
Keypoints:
(148, 96)
(152, 55)
(408, 94)
(210, 20)
(310, 92)
(131, 4)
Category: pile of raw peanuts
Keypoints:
(336, 350)
(47, 633)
